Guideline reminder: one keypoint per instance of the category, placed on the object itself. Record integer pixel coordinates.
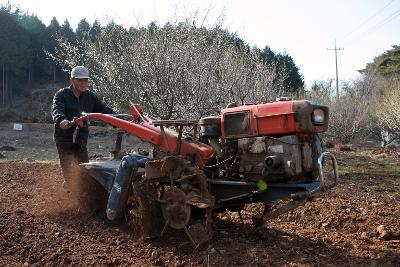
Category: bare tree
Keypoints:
(348, 114)
(177, 71)
(388, 108)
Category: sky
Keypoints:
(306, 29)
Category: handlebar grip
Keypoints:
(78, 121)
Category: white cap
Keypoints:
(80, 72)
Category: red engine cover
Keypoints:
(276, 118)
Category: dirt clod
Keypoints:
(364, 235)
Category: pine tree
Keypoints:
(82, 30)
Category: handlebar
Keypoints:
(323, 186)
(78, 121)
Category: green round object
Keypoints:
(262, 185)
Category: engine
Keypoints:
(275, 142)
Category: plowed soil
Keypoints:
(355, 224)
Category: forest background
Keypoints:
(181, 70)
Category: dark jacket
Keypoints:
(67, 106)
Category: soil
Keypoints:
(355, 224)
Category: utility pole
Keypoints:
(337, 75)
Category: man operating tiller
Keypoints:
(71, 140)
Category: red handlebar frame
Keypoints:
(166, 141)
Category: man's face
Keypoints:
(80, 85)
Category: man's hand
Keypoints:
(65, 124)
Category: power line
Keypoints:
(377, 26)
(367, 20)
(387, 20)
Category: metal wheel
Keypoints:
(182, 188)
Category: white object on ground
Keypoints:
(17, 127)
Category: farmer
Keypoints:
(71, 141)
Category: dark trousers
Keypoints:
(70, 156)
